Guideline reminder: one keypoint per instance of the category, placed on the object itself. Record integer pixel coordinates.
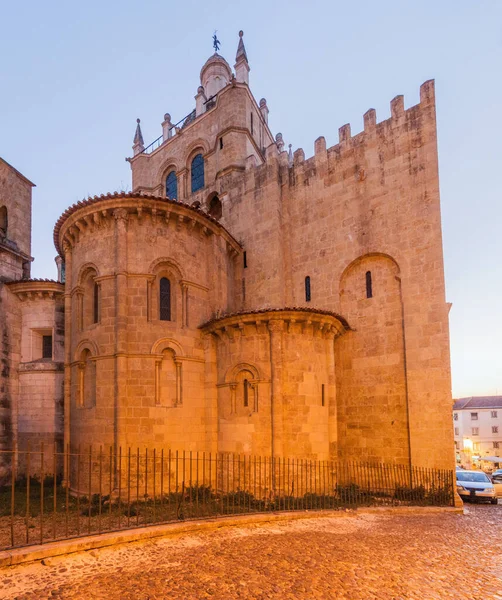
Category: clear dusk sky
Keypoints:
(74, 76)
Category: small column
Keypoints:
(276, 328)
(60, 265)
(158, 366)
(211, 392)
(184, 305)
(233, 401)
(167, 128)
(81, 383)
(120, 215)
(179, 383)
(264, 110)
(200, 98)
(331, 398)
(67, 360)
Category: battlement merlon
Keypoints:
(391, 128)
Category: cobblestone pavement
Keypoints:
(365, 556)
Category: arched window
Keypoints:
(165, 299)
(172, 186)
(95, 306)
(197, 173)
(246, 392)
(307, 289)
(87, 380)
(369, 285)
(89, 299)
(215, 208)
(3, 221)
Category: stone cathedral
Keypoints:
(241, 298)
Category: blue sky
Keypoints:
(75, 76)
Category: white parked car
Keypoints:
(475, 485)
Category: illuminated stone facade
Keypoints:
(245, 299)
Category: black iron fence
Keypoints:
(51, 495)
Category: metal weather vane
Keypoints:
(216, 43)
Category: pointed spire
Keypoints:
(138, 144)
(241, 62)
(241, 50)
(290, 155)
(138, 136)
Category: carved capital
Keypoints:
(67, 247)
(120, 215)
(276, 325)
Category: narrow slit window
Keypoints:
(252, 124)
(323, 399)
(95, 311)
(245, 260)
(47, 346)
(165, 299)
(246, 392)
(369, 285)
(307, 289)
(221, 143)
(3, 221)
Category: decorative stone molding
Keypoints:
(321, 323)
(37, 290)
(93, 213)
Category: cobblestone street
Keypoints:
(367, 556)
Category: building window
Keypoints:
(197, 173)
(474, 416)
(475, 431)
(494, 414)
(322, 395)
(88, 304)
(245, 258)
(252, 124)
(455, 416)
(369, 285)
(221, 143)
(495, 429)
(456, 430)
(307, 289)
(47, 346)
(476, 447)
(3, 221)
(87, 381)
(172, 186)
(456, 445)
(495, 444)
(215, 208)
(246, 392)
(165, 299)
(95, 307)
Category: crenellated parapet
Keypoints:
(404, 128)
